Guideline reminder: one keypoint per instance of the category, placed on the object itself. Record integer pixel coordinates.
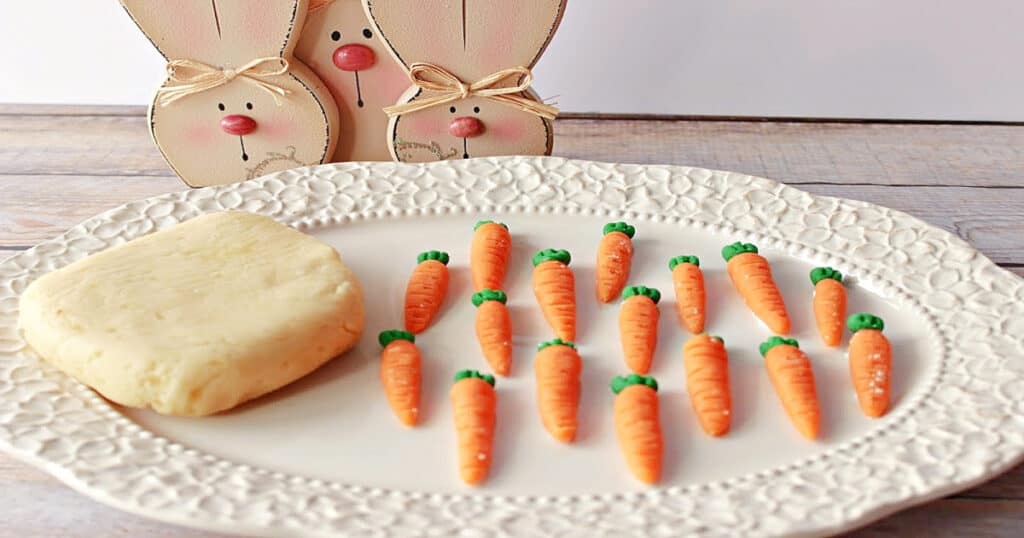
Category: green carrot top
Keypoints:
(386, 337)
(650, 293)
(433, 255)
(716, 337)
(483, 296)
(821, 273)
(556, 342)
(683, 259)
(777, 341)
(482, 222)
(630, 231)
(864, 320)
(464, 374)
(619, 382)
(728, 251)
(551, 254)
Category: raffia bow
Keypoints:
(192, 77)
(434, 78)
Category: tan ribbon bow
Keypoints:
(192, 77)
(434, 78)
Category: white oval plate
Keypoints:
(325, 457)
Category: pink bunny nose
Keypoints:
(466, 127)
(354, 57)
(237, 124)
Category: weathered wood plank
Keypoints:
(810, 152)
(952, 518)
(796, 152)
(35, 208)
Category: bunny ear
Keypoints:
(258, 28)
(470, 38)
(503, 34)
(421, 30)
(182, 29)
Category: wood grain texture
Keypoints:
(60, 165)
(117, 143)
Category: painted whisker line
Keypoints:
(359, 91)
(463, 24)
(216, 17)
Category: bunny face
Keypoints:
(472, 127)
(339, 44)
(241, 126)
(471, 39)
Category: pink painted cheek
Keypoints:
(202, 134)
(506, 129)
(278, 129)
(428, 127)
(392, 80)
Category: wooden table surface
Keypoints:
(60, 165)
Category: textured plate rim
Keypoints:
(331, 195)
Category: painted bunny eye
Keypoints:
(452, 110)
(476, 109)
(367, 33)
(220, 106)
(336, 35)
(248, 106)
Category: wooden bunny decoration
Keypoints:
(339, 45)
(236, 103)
(469, 61)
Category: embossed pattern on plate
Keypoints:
(967, 426)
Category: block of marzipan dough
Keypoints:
(198, 318)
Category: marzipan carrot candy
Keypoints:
(489, 254)
(688, 280)
(638, 426)
(829, 304)
(870, 363)
(638, 326)
(614, 257)
(793, 379)
(752, 277)
(425, 292)
(400, 374)
(475, 405)
(558, 368)
(707, 380)
(494, 329)
(555, 288)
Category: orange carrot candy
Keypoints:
(637, 425)
(400, 374)
(494, 329)
(555, 288)
(752, 277)
(558, 368)
(707, 380)
(425, 292)
(638, 326)
(688, 280)
(793, 379)
(614, 257)
(829, 304)
(475, 405)
(489, 254)
(870, 363)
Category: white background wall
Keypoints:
(924, 59)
